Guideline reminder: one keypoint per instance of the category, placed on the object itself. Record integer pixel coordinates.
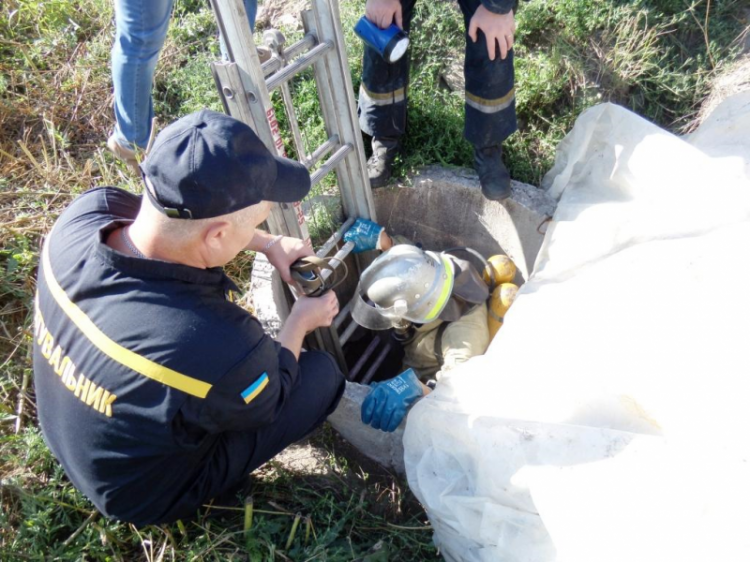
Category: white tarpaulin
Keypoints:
(610, 418)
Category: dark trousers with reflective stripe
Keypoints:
(490, 102)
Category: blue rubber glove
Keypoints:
(387, 403)
(364, 233)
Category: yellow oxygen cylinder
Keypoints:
(500, 301)
(504, 268)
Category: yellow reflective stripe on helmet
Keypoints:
(115, 351)
(445, 293)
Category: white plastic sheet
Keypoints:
(610, 418)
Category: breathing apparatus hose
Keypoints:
(487, 267)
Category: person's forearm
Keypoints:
(260, 241)
(291, 336)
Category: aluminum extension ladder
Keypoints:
(245, 86)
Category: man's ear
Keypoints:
(215, 235)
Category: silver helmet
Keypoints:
(404, 283)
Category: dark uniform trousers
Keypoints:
(321, 386)
(490, 103)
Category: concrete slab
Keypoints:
(267, 293)
(444, 208)
(387, 449)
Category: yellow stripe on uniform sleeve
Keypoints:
(112, 349)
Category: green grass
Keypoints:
(342, 516)
(648, 55)
(657, 57)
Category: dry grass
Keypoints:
(55, 115)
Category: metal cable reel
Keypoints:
(316, 276)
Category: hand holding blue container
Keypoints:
(390, 42)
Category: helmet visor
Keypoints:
(367, 315)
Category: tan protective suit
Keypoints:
(460, 340)
(465, 334)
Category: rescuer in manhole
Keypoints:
(441, 310)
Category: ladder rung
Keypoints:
(326, 248)
(321, 151)
(276, 63)
(288, 72)
(330, 164)
(337, 259)
(363, 359)
(342, 315)
(375, 364)
(343, 338)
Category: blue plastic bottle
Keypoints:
(391, 42)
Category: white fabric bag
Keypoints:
(610, 417)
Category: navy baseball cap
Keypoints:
(208, 164)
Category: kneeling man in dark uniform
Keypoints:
(155, 391)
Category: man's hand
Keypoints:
(284, 253)
(314, 312)
(385, 407)
(364, 234)
(307, 314)
(383, 12)
(498, 28)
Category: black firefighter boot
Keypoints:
(384, 151)
(493, 175)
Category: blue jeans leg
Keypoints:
(141, 31)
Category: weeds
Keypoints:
(339, 515)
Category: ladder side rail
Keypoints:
(254, 107)
(286, 219)
(231, 91)
(252, 104)
(343, 314)
(335, 87)
(291, 116)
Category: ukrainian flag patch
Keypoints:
(254, 389)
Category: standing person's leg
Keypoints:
(382, 105)
(251, 7)
(141, 30)
(490, 107)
